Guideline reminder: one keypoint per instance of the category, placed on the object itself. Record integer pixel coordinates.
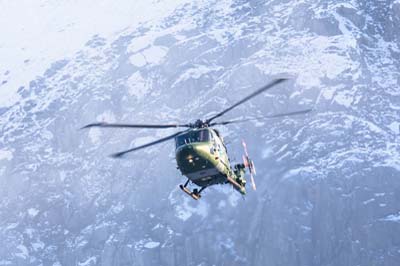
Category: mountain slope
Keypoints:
(328, 182)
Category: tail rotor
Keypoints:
(249, 164)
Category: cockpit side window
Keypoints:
(180, 140)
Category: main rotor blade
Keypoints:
(268, 86)
(262, 117)
(121, 153)
(104, 124)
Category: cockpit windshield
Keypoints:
(193, 136)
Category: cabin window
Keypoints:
(193, 136)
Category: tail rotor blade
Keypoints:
(253, 183)
(245, 161)
(245, 148)
(254, 168)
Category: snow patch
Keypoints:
(95, 135)
(368, 201)
(138, 60)
(306, 229)
(266, 153)
(33, 212)
(63, 175)
(155, 54)
(24, 253)
(195, 73)
(137, 86)
(282, 149)
(151, 244)
(47, 134)
(118, 208)
(141, 43)
(348, 29)
(38, 245)
(157, 226)
(29, 232)
(395, 126)
(185, 210)
(327, 93)
(141, 141)
(11, 226)
(392, 218)
(222, 204)
(144, 52)
(107, 116)
(233, 199)
(344, 98)
(6, 155)
(88, 262)
(298, 172)
(81, 242)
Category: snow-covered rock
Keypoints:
(328, 182)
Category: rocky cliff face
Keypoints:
(328, 182)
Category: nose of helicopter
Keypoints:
(188, 153)
(191, 158)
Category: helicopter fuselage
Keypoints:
(202, 157)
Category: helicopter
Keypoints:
(200, 151)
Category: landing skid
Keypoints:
(195, 194)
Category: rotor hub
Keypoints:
(199, 124)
